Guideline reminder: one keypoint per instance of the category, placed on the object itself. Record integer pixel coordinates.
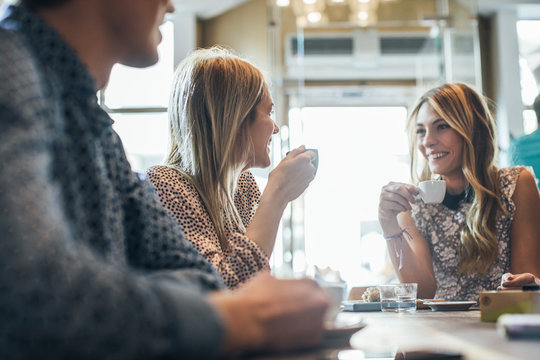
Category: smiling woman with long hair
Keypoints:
(220, 119)
(487, 224)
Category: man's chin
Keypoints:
(140, 60)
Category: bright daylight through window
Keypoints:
(529, 48)
(360, 149)
(138, 100)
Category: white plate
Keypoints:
(450, 305)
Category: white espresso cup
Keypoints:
(432, 191)
(335, 295)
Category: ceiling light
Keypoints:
(363, 15)
(363, 1)
(310, 2)
(314, 17)
(282, 3)
(434, 32)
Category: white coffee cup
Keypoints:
(335, 295)
(432, 191)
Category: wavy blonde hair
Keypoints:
(467, 112)
(212, 102)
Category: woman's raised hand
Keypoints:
(394, 199)
(293, 174)
(511, 281)
(285, 183)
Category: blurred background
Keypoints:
(344, 74)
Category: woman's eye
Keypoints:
(444, 126)
(420, 132)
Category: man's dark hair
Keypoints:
(41, 4)
(536, 107)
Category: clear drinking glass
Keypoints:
(399, 298)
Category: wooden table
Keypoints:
(460, 331)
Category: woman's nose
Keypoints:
(276, 128)
(430, 138)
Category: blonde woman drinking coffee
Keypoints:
(486, 226)
(220, 126)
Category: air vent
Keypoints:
(366, 54)
(406, 45)
(325, 46)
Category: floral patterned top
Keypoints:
(441, 227)
(244, 257)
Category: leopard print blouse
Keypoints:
(441, 227)
(244, 257)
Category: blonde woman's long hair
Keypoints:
(467, 112)
(212, 102)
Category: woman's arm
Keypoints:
(410, 255)
(416, 259)
(285, 183)
(525, 233)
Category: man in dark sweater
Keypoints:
(91, 265)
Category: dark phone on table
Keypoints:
(428, 355)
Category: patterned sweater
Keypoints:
(243, 258)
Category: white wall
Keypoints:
(206, 9)
(243, 29)
(508, 87)
(185, 34)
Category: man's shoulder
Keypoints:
(21, 82)
(17, 65)
(11, 48)
(6, 35)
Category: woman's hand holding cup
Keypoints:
(395, 198)
(398, 197)
(294, 173)
(285, 183)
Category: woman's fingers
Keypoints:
(506, 277)
(512, 281)
(394, 206)
(407, 191)
(293, 174)
(397, 197)
(295, 152)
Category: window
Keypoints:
(529, 49)
(360, 150)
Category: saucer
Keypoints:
(421, 303)
(450, 305)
